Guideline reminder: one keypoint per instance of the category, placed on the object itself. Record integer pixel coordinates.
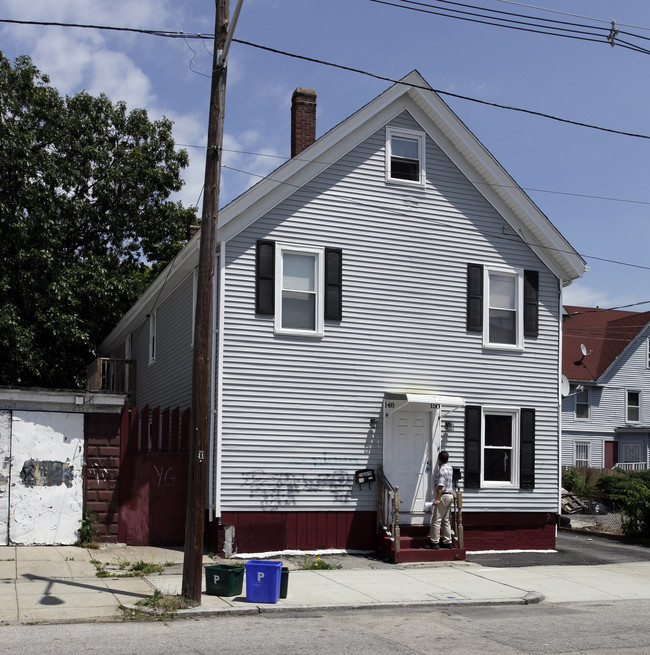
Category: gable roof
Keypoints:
(413, 94)
(605, 334)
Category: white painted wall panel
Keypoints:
(46, 477)
(296, 411)
(5, 454)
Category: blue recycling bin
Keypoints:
(263, 581)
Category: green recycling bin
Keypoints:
(284, 581)
(224, 579)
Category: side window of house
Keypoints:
(502, 304)
(300, 286)
(153, 342)
(633, 407)
(405, 156)
(582, 454)
(499, 447)
(583, 402)
(195, 288)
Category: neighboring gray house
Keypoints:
(388, 292)
(606, 415)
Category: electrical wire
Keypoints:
(548, 27)
(515, 238)
(346, 68)
(491, 185)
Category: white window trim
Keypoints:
(627, 406)
(153, 339)
(575, 452)
(407, 134)
(518, 274)
(514, 465)
(575, 405)
(647, 353)
(319, 284)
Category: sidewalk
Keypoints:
(60, 584)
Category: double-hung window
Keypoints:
(633, 407)
(499, 447)
(503, 308)
(582, 398)
(153, 343)
(405, 156)
(502, 304)
(301, 286)
(299, 289)
(500, 441)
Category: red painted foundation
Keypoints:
(256, 532)
(509, 530)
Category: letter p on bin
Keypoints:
(263, 581)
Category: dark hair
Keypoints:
(443, 456)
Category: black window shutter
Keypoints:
(531, 303)
(474, 297)
(333, 284)
(527, 449)
(472, 447)
(265, 277)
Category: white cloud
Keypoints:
(581, 295)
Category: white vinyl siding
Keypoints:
(296, 410)
(608, 407)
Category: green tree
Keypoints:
(85, 221)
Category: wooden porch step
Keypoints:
(412, 541)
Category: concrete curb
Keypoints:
(530, 598)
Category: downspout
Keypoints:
(214, 485)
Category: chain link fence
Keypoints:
(584, 507)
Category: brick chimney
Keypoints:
(303, 119)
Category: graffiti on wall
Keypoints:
(46, 473)
(275, 490)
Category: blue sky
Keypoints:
(592, 185)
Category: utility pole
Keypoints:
(201, 382)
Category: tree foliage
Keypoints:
(85, 221)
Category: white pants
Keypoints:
(441, 513)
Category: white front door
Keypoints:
(408, 464)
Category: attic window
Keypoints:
(404, 156)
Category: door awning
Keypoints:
(400, 400)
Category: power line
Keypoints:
(545, 26)
(197, 35)
(490, 184)
(566, 13)
(513, 238)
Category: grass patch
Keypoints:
(129, 569)
(158, 606)
(316, 563)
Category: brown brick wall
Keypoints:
(101, 473)
(303, 120)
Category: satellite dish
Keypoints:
(583, 349)
(564, 386)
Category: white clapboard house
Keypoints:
(386, 293)
(606, 414)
